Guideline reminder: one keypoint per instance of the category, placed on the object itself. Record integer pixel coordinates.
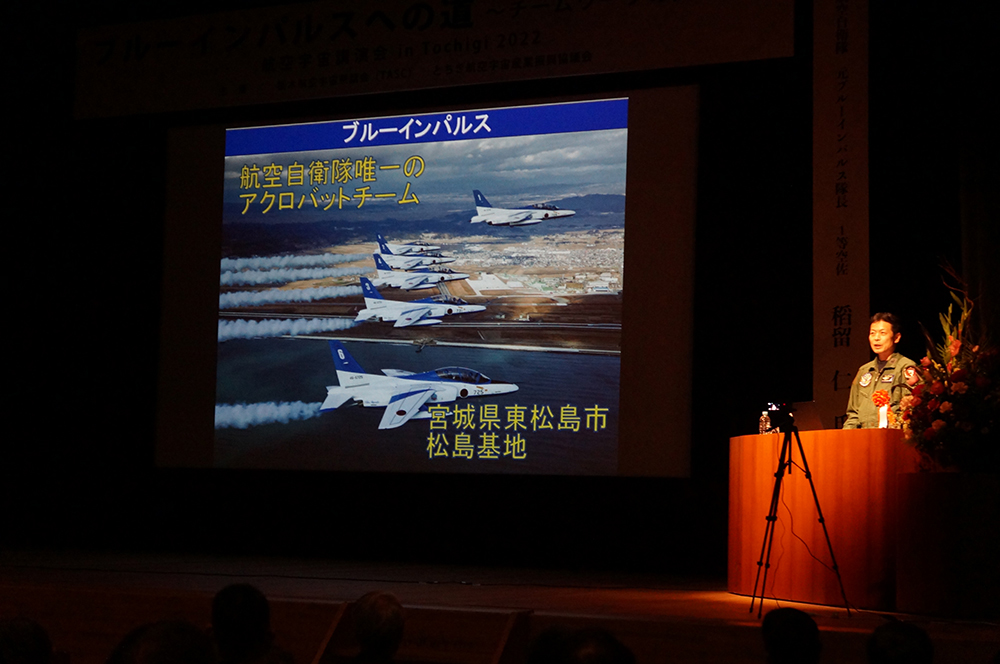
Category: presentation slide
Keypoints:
(436, 291)
(425, 293)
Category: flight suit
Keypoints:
(862, 413)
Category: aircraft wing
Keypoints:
(410, 263)
(402, 262)
(403, 406)
(416, 316)
(509, 217)
(412, 282)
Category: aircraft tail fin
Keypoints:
(480, 199)
(383, 246)
(344, 361)
(380, 262)
(368, 288)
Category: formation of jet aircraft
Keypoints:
(535, 214)
(408, 249)
(427, 311)
(409, 261)
(422, 278)
(404, 394)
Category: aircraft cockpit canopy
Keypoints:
(462, 375)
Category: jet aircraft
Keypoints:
(412, 280)
(405, 249)
(408, 262)
(534, 214)
(404, 394)
(419, 312)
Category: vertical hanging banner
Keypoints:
(840, 202)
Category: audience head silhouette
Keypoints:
(241, 623)
(790, 637)
(23, 641)
(168, 642)
(897, 642)
(378, 620)
(561, 645)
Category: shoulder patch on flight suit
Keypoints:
(866, 380)
(910, 372)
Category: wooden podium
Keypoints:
(855, 476)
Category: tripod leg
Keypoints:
(784, 459)
(822, 521)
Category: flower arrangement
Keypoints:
(951, 416)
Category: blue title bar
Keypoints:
(430, 128)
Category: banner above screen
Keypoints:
(321, 50)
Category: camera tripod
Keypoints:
(785, 461)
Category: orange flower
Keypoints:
(954, 345)
(880, 398)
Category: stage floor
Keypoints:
(678, 613)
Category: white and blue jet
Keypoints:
(408, 249)
(427, 311)
(534, 214)
(414, 279)
(408, 262)
(404, 394)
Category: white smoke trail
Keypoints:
(243, 415)
(284, 275)
(255, 329)
(272, 262)
(276, 296)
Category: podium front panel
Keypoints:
(854, 473)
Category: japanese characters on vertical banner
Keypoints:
(432, 292)
(840, 210)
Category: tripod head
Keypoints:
(781, 416)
